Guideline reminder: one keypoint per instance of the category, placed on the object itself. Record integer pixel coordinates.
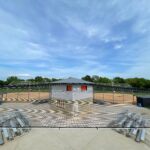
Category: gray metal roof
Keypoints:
(72, 81)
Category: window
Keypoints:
(69, 88)
(84, 88)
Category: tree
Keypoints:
(30, 80)
(87, 78)
(47, 80)
(54, 79)
(138, 82)
(118, 80)
(147, 84)
(12, 79)
(104, 80)
(2, 83)
(95, 78)
(38, 79)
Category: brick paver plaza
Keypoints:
(42, 116)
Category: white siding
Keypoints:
(59, 92)
(78, 94)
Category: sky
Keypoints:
(63, 38)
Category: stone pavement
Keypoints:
(73, 139)
(42, 116)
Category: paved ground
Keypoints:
(73, 139)
(42, 116)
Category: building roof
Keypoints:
(72, 81)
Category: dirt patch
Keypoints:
(115, 97)
(31, 96)
(25, 96)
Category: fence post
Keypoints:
(2, 96)
(39, 93)
(28, 93)
(113, 97)
(103, 95)
(93, 95)
(133, 97)
(50, 92)
(6, 93)
(17, 95)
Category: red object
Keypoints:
(83, 88)
(69, 88)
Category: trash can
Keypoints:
(143, 101)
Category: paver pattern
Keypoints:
(42, 116)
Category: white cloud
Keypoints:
(23, 75)
(113, 38)
(85, 33)
(118, 46)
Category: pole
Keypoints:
(113, 97)
(133, 97)
(50, 92)
(123, 97)
(113, 91)
(6, 93)
(29, 93)
(103, 95)
(17, 95)
(39, 93)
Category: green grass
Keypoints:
(142, 94)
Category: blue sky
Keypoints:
(61, 38)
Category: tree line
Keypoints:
(16, 80)
(133, 82)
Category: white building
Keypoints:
(71, 95)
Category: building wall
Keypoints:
(59, 92)
(79, 95)
(72, 102)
